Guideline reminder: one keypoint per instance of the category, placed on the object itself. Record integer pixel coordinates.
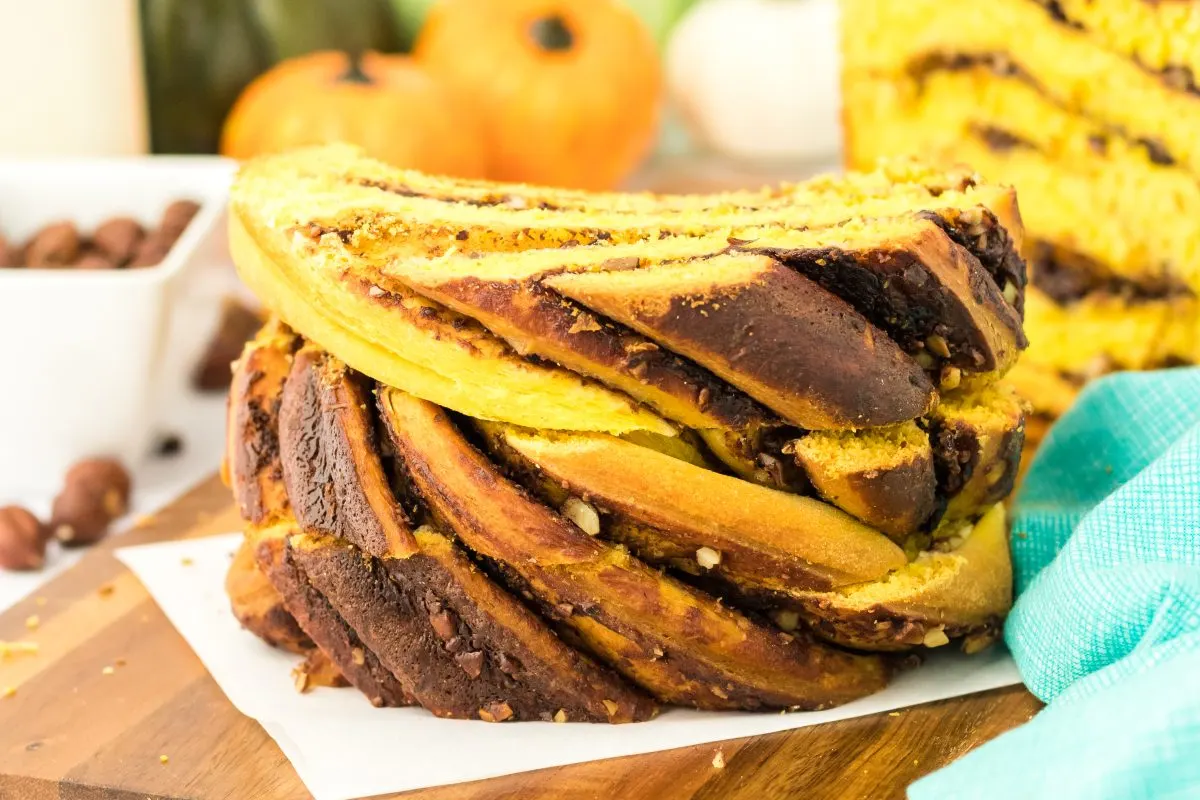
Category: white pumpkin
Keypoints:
(758, 79)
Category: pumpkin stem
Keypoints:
(354, 72)
(552, 34)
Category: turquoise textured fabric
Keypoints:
(1106, 627)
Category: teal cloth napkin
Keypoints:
(1106, 627)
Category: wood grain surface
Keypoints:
(74, 729)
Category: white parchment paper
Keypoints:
(344, 748)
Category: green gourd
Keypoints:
(200, 54)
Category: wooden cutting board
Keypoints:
(77, 730)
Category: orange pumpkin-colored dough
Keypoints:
(568, 90)
(389, 105)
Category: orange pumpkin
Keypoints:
(568, 90)
(389, 105)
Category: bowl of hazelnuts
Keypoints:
(92, 253)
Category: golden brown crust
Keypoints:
(887, 482)
(963, 591)
(257, 604)
(321, 621)
(461, 645)
(537, 321)
(251, 466)
(331, 466)
(921, 287)
(315, 233)
(395, 336)
(680, 644)
(978, 439)
(763, 537)
(766, 329)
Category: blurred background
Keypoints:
(548, 91)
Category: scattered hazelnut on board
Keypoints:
(55, 245)
(95, 492)
(22, 539)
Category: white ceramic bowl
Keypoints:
(82, 366)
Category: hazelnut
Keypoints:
(936, 637)
(151, 250)
(937, 345)
(92, 259)
(55, 245)
(22, 539)
(175, 219)
(582, 514)
(95, 492)
(118, 239)
(707, 557)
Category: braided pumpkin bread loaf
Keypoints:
(727, 451)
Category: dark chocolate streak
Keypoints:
(1176, 76)
(1068, 276)
(1002, 65)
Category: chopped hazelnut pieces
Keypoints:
(357, 656)
(719, 760)
(611, 707)
(496, 712)
(300, 679)
(786, 619)
(1010, 293)
(8, 692)
(937, 345)
(936, 637)
(163, 759)
(560, 715)
(582, 514)
(707, 557)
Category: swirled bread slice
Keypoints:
(883, 476)
(460, 645)
(963, 590)
(251, 466)
(463, 647)
(257, 604)
(338, 195)
(320, 621)
(907, 275)
(331, 467)
(400, 338)
(312, 233)
(778, 336)
(758, 536)
(680, 644)
(978, 437)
